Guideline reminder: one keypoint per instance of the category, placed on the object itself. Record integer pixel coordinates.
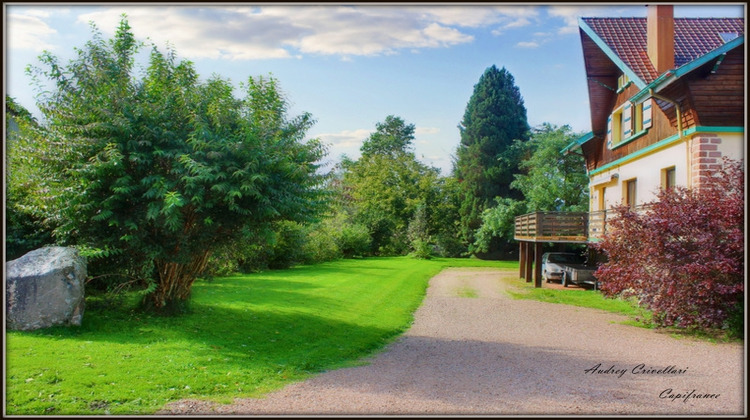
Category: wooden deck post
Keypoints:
(529, 260)
(521, 259)
(538, 265)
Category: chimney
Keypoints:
(660, 37)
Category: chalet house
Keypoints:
(666, 102)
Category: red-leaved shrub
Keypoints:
(682, 255)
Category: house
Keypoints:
(667, 103)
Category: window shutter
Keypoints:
(647, 104)
(627, 121)
(609, 131)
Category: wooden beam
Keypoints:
(538, 265)
(521, 259)
(529, 260)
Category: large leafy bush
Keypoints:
(155, 172)
(683, 257)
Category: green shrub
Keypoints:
(449, 245)
(735, 322)
(151, 159)
(321, 244)
(421, 249)
(288, 247)
(354, 240)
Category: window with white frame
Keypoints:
(628, 122)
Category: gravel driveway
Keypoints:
(474, 350)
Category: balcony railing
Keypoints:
(552, 226)
(578, 227)
(597, 224)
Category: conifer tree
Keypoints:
(487, 159)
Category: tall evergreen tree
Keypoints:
(487, 159)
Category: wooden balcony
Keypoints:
(568, 227)
(551, 226)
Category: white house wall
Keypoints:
(648, 169)
(733, 145)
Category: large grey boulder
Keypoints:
(45, 288)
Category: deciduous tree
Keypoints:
(157, 171)
(388, 184)
(550, 180)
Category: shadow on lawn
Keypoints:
(242, 336)
(263, 329)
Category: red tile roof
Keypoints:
(694, 37)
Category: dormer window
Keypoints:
(628, 122)
(728, 36)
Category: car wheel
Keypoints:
(565, 279)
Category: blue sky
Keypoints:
(351, 66)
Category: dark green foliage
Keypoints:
(157, 172)
(353, 240)
(487, 159)
(288, 246)
(550, 181)
(419, 234)
(24, 230)
(735, 322)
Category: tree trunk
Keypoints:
(175, 281)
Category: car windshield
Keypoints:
(565, 258)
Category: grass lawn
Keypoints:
(583, 298)
(639, 317)
(245, 336)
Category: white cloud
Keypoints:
(346, 138)
(474, 16)
(37, 13)
(421, 131)
(200, 32)
(515, 17)
(28, 31)
(438, 35)
(518, 23)
(248, 32)
(528, 44)
(570, 15)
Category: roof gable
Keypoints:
(624, 41)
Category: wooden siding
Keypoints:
(719, 98)
(663, 127)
